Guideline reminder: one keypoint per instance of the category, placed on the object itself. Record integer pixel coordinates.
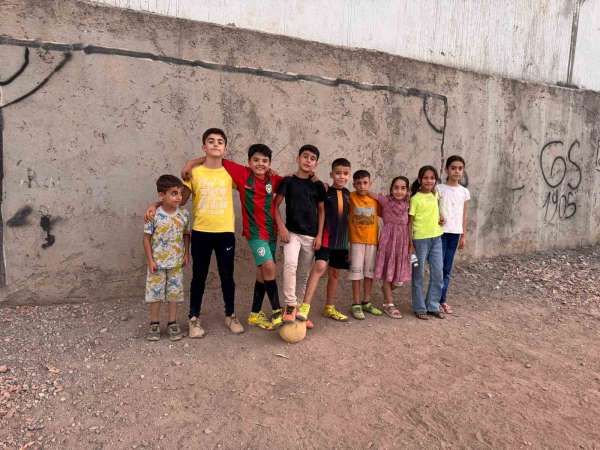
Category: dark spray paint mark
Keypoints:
(47, 222)
(20, 218)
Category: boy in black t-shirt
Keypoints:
(302, 231)
(334, 248)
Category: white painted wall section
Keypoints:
(522, 39)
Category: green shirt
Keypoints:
(425, 216)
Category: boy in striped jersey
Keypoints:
(256, 185)
(334, 249)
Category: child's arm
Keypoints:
(462, 241)
(283, 231)
(186, 172)
(151, 211)
(148, 251)
(321, 214)
(411, 246)
(373, 195)
(186, 245)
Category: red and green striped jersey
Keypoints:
(257, 199)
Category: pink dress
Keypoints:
(393, 261)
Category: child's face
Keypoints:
(259, 164)
(455, 171)
(214, 146)
(172, 198)
(428, 181)
(362, 185)
(307, 161)
(399, 189)
(340, 176)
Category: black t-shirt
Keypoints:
(337, 209)
(302, 197)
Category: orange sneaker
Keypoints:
(289, 314)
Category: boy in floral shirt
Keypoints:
(166, 245)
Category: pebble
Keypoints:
(528, 365)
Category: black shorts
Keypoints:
(338, 259)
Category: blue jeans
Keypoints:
(449, 246)
(429, 250)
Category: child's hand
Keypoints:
(411, 247)
(462, 242)
(186, 172)
(317, 242)
(186, 259)
(442, 220)
(152, 266)
(150, 213)
(283, 234)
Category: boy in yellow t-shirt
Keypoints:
(363, 226)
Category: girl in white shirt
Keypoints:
(453, 207)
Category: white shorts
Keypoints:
(362, 261)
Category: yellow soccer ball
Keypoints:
(293, 332)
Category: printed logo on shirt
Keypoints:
(269, 189)
(364, 216)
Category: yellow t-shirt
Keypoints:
(363, 222)
(212, 200)
(425, 214)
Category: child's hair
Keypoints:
(400, 177)
(166, 182)
(455, 158)
(213, 131)
(361, 174)
(259, 148)
(343, 162)
(417, 183)
(309, 148)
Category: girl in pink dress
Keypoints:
(393, 257)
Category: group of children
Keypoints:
(327, 228)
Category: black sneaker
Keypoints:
(174, 332)
(153, 333)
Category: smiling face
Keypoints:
(171, 199)
(307, 162)
(428, 181)
(399, 189)
(455, 171)
(214, 146)
(340, 176)
(362, 185)
(259, 164)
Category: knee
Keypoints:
(268, 270)
(320, 267)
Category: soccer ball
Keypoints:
(293, 332)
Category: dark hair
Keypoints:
(361, 174)
(455, 158)
(340, 162)
(259, 148)
(213, 131)
(417, 183)
(166, 182)
(309, 148)
(400, 177)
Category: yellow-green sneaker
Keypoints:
(332, 313)
(276, 318)
(368, 307)
(260, 320)
(302, 313)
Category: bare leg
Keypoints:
(155, 312)
(333, 278)
(356, 292)
(172, 312)
(387, 292)
(368, 289)
(316, 273)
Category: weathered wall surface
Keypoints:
(522, 39)
(97, 102)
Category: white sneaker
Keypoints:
(195, 330)
(233, 324)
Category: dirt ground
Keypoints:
(516, 366)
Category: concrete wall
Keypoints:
(96, 102)
(522, 39)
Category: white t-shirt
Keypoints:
(452, 205)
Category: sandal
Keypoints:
(391, 311)
(422, 316)
(446, 308)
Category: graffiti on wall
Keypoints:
(562, 177)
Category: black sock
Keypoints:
(259, 295)
(272, 293)
(154, 323)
